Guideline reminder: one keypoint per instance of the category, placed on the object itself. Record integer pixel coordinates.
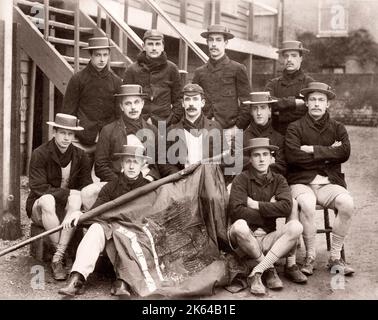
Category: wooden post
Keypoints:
(154, 20)
(183, 48)
(250, 38)
(108, 27)
(47, 20)
(217, 12)
(2, 105)
(207, 13)
(99, 17)
(125, 18)
(48, 108)
(14, 208)
(30, 130)
(77, 37)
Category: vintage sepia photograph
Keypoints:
(201, 150)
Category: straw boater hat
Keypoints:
(292, 45)
(319, 87)
(130, 90)
(65, 121)
(153, 34)
(260, 98)
(260, 143)
(217, 28)
(135, 151)
(98, 43)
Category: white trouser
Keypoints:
(90, 247)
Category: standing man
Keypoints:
(159, 78)
(258, 197)
(316, 145)
(99, 234)
(225, 83)
(90, 95)
(58, 171)
(290, 105)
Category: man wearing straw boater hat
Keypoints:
(258, 197)
(261, 127)
(90, 94)
(225, 83)
(316, 146)
(129, 129)
(58, 171)
(159, 78)
(95, 240)
(286, 88)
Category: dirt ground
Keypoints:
(18, 269)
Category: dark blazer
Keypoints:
(112, 137)
(225, 83)
(326, 160)
(45, 175)
(163, 88)
(248, 184)
(286, 89)
(90, 97)
(207, 139)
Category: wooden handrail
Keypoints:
(134, 38)
(202, 55)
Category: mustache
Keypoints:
(191, 109)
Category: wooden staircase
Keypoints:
(54, 37)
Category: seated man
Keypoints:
(125, 130)
(195, 137)
(258, 197)
(95, 239)
(316, 145)
(58, 171)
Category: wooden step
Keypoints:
(113, 64)
(61, 25)
(68, 42)
(51, 9)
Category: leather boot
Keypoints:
(75, 285)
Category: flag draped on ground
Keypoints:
(166, 242)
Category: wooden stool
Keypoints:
(328, 229)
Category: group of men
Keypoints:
(291, 157)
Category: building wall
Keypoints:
(300, 16)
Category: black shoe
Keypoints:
(75, 285)
(58, 270)
(272, 279)
(308, 266)
(294, 274)
(119, 288)
(339, 266)
(256, 286)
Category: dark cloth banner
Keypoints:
(166, 242)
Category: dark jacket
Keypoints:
(45, 175)
(163, 87)
(225, 83)
(112, 137)
(267, 131)
(90, 97)
(286, 89)
(207, 140)
(261, 189)
(326, 160)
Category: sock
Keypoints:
(266, 263)
(310, 246)
(291, 260)
(59, 254)
(337, 244)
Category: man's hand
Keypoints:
(307, 149)
(71, 219)
(253, 204)
(336, 144)
(74, 192)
